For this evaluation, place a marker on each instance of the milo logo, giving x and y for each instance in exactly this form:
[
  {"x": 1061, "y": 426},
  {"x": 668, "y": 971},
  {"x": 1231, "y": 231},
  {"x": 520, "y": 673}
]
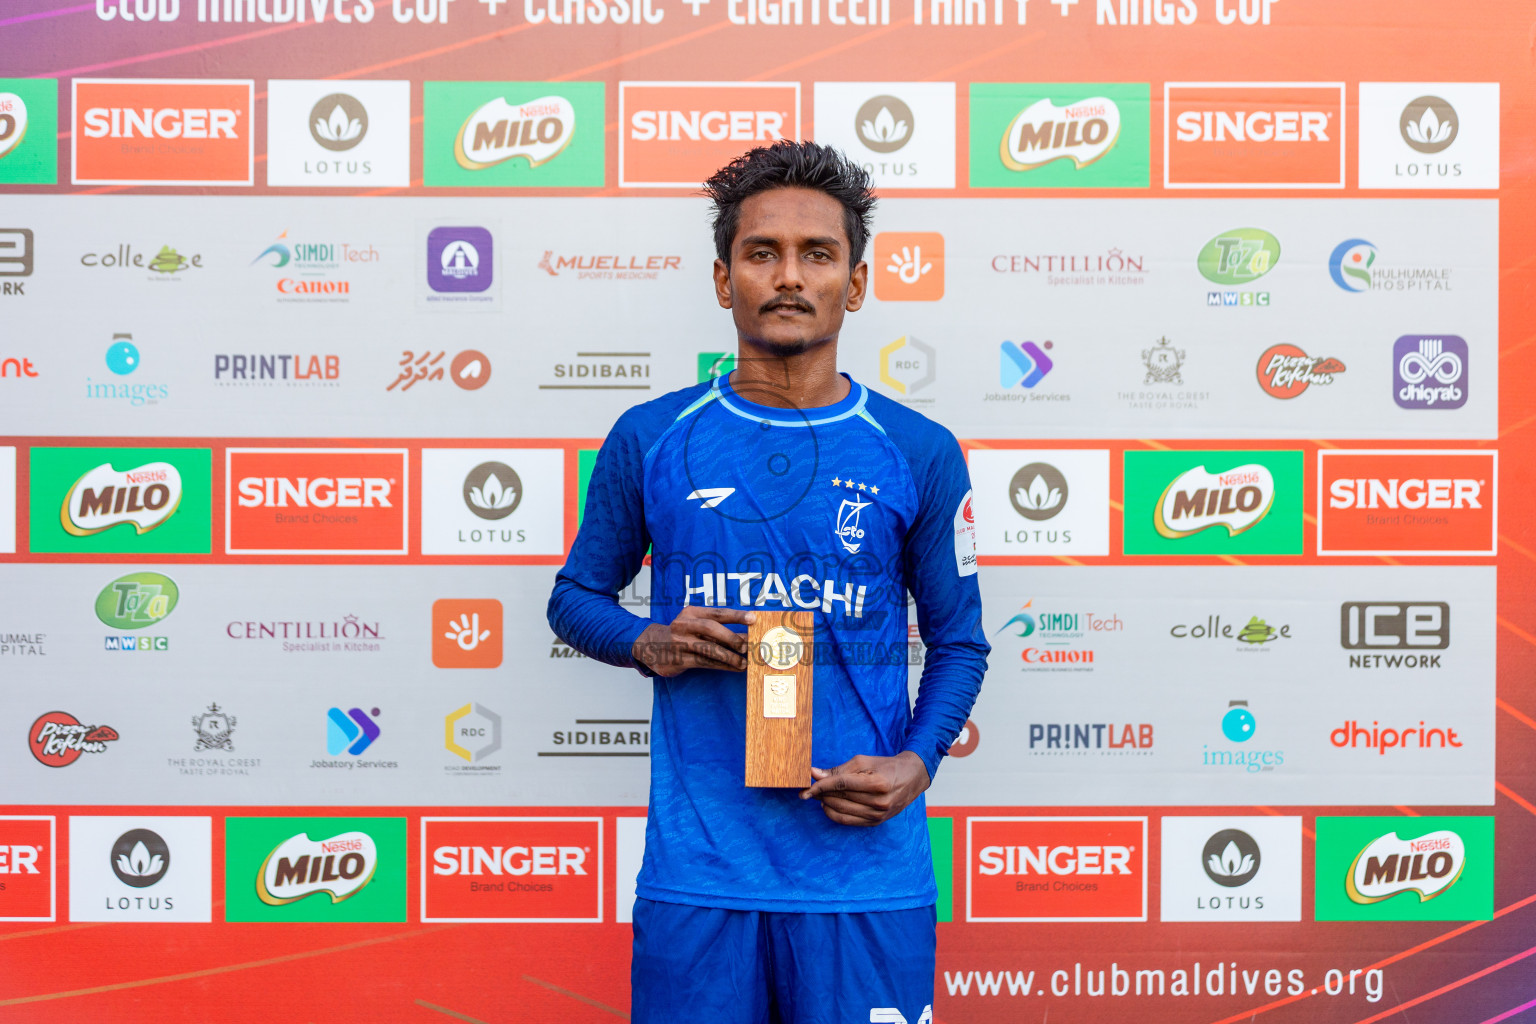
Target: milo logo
[{"x": 498, "y": 131}]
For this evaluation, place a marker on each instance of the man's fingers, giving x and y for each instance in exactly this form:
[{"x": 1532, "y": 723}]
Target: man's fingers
[
  {"x": 694, "y": 611},
  {"x": 841, "y": 781},
  {"x": 708, "y": 629},
  {"x": 707, "y": 654},
  {"x": 843, "y": 818}
]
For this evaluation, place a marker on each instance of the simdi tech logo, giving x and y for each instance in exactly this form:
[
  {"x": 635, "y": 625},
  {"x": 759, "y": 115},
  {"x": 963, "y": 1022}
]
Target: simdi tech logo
[
  {"x": 29, "y": 128},
  {"x": 1056, "y": 869},
  {"x": 28, "y": 866},
  {"x": 163, "y": 131},
  {"x": 510, "y": 134},
  {"x": 1407, "y": 502},
  {"x": 512, "y": 869},
  {"x": 1213, "y": 502},
  {"x": 316, "y": 501},
  {"x": 1429, "y": 135},
  {"x": 1429, "y": 868},
  {"x": 1253, "y": 135},
  {"x": 121, "y": 500},
  {"x": 315, "y": 869},
  {"x": 329, "y": 134},
  {"x": 676, "y": 134},
  {"x": 1061, "y": 135}
]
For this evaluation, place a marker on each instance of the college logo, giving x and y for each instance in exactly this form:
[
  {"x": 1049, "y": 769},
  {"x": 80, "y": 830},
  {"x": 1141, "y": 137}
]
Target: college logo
[
  {"x": 316, "y": 501},
  {"x": 134, "y": 868},
  {"x": 163, "y": 131},
  {"x": 137, "y": 600},
  {"x": 1394, "y": 502},
  {"x": 1214, "y": 502},
  {"x": 909, "y": 266},
  {"x": 1253, "y": 636},
  {"x": 57, "y": 739},
  {"x": 1231, "y": 868},
  {"x": 466, "y": 633},
  {"x": 1056, "y": 869},
  {"x": 908, "y": 366},
  {"x": 160, "y": 500},
  {"x": 27, "y": 866},
  {"x": 350, "y": 732},
  {"x": 492, "y": 501},
  {"x": 1285, "y": 371},
  {"x": 29, "y": 114},
  {"x": 319, "y": 137},
  {"x": 1253, "y": 135},
  {"x": 676, "y": 134},
  {"x": 1388, "y": 869},
  {"x": 460, "y": 260},
  {"x": 506, "y": 134},
  {"x": 1042, "y": 502},
  {"x": 472, "y": 732},
  {"x": 144, "y": 497},
  {"x": 1093, "y": 135},
  {"x": 314, "y": 869},
  {"x": 512, "y": 869},
  {"x": 1429, "y": 135},
  {"x": 1430, "y": 371}
]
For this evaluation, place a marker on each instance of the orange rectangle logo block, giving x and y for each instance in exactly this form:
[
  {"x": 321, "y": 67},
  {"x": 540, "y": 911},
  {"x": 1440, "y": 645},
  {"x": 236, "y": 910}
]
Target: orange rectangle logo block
[
  {"x": 27, "y": 865},
  {"x": 512, "y": 869},
  {"x": 676, "y": 134},
  {"x": 1253, "y": 135},
  {"x": 1434, "y": 502},
  {"x": 316, "y": 501},
  {"x": 1056, "y": 869},
  {"x": 162, "y": 131}
]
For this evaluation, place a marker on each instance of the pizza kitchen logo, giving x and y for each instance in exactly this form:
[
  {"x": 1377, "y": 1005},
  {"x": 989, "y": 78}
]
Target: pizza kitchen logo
[
  {"x": 1285, "y": 371},
  {"x": 58, "y": 739}
]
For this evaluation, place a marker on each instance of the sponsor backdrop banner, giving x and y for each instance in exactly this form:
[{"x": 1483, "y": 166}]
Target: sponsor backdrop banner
[{"x": 314, "y": 314}]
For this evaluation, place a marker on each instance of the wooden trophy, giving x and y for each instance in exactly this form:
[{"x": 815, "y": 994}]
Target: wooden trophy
[{"x": 779, "y": 699}]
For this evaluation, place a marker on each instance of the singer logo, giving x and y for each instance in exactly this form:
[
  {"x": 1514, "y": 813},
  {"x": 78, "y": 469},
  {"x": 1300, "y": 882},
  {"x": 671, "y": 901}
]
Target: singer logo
[
  {"x": 1437, "y": 502},
  {"x": 1056, "y": 869},
  {"x": 162, "y": 131},
  {"x": 512, "y": 869},
  {"x": 676, "y": 134},
  {"x": 1253, "y": 135},
  {"x": 316, "y": 501}
]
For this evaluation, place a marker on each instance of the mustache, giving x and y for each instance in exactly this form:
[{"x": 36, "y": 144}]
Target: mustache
[{"x": 792, "y": 301}]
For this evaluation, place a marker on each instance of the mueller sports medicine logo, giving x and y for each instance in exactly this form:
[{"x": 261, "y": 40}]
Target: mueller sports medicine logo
[
  {"x": 1056, "y": 869},
  {"x": 1237, "y": 499},
  {"x": 1434, "y": 502},
  {"x": 498, "y": 131},
  {"x": 144, "y": 497},
  {"x": 1253, "y": 135},
  {"x": 338, "y": 867},
  {"x": 1430, "y": 371},
  {"x": 160, "y": 131},
  {"x": 299, "y": 501},
  {"x": 512, "y": 869},
  {"x": 676, "y": 134},
  {"x": 1081, "y": 132}
]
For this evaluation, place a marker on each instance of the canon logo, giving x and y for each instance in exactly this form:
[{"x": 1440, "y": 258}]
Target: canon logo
[
  {"x": 317, "y": 492},
  {"x": 1253, "y": 126},
  {"x": 713, "y": 125},
  {"x": 509, "y": 860},
  {"x": 165, "y": 123},
  {"x": 1055, "y": 860},
  {"x": 1365, "y": 492}
]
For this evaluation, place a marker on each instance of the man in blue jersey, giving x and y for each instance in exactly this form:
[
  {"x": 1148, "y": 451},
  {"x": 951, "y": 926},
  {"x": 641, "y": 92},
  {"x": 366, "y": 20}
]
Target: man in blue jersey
[{"x": 784, "y": 485}]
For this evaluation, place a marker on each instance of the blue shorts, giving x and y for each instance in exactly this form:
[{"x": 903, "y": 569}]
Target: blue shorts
[{"x": 719, "y": 966}]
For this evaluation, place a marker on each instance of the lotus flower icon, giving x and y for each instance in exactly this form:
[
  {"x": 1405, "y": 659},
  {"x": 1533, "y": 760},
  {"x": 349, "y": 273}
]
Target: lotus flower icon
[
  {"x": 338, "y": 122},
  {"x": 1429, "y": 130},
  {"x": 1038, "y": 496},
  {"x": 884, "y": 123},
  {"x": 1429, "y": 124},
  {"x": 491, "y": 495},
  {"x": 139, "y": 861},
  {"x": 886, "y": 128},
  {"x": 338, "y": 127},
  {"x": 1230, "y": 863}
]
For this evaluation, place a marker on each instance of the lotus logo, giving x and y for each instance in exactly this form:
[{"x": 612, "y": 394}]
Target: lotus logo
[
  {"x": 1082, "y": 132},
  {"x": 13, "y": 121},
  {"x": 492, "y": 490},
  {"x": 1230, "y": 858},
  {"x": 300, "y": 866},
  {"x": 1350, "y": 264},
  {"x": 537, "y": 131},
  {"x": 1038, "y": 491},
  {"x": 144, "y": 496},
  {"x": 140, "y": 858},
  {"x": 1429, "y": 124},
  {"x": 1197, "y": 499},
  {"x": 338, "y": 122},
  {"x": 1427, "y": 865},
  {"x": 1239, "y": 256},
  {"x": 884, "y": 124}
]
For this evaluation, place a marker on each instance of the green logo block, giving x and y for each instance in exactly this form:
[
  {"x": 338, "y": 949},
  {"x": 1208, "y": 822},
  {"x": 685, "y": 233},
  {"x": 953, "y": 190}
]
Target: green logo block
[
  {"x": 1239, "y": 256},
  {"x": 314, "y": 869},
  {"x": 137, "y": 600},
  {"x": 1061, "y": 135},
  {"x": 715, "y": 364},
  {"x": 1404, "y": 869},
  {"x": 121, "y": 500},
  {"x": 1213, "y": 503},
  {"x": 29, "y": 131},
  {"x": 514, "y": 134}
]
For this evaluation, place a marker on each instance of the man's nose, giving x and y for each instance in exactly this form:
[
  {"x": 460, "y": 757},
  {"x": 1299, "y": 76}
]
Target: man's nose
[{"x": 788, "y": 276}]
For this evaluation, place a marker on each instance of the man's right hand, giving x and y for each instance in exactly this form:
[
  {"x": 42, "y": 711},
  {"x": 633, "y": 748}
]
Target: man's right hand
[{"x": 697, "y": 638}]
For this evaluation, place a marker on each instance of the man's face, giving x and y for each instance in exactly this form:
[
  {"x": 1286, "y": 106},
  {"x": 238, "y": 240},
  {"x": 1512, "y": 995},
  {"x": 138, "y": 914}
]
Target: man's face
[{"x": 789, "y": 280}]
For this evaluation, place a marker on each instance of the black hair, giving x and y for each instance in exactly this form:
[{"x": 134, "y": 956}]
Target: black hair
[{"x": 787, "y": 164}]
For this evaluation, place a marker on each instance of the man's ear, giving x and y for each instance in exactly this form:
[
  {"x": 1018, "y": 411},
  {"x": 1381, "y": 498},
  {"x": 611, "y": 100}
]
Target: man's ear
[
  {"x": 723, "y": 284},
  {"x": 858, "y": 281}
]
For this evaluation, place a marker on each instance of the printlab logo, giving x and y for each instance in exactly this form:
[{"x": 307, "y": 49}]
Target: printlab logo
[
  {"x": 470, "y": 369},
  {"x": 1430, "y": 371},
  {"x": 350, "y": 732},
  {"x": 1285, "y": 371},
  {"x": 338, "y": 122},
  {"x": 1231, "y": 858},
  {"x": 466, "y": 633},
  {"x": 473, "y": 733},
  {"x": 459, "y": 259},
  {"x": 140, "y": 858},
  {"x": 909, "y": 266},
  {"x": 1038, "y": 491},
  {"x": 215, "y": 730},
  {"x": 57, "y": 739},
  {"x": 1429, "y": 124},
  {"x": 908, "y": 366},
  {"x": 1023, "y": 366},
  {"x": 492, "y": 490}
]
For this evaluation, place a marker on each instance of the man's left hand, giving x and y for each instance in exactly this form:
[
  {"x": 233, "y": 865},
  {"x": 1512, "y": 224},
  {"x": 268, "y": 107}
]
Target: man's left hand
[{"x": 867, "y": 790}]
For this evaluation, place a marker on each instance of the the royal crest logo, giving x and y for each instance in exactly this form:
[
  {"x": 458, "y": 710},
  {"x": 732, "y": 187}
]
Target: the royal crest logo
[
  {"x": 215, "y": 730},
  {"x": 145, "y": 496},
  {"x": 1081, "y": 132},
  {"x": 58, "y": 739},
  {"x": 849, "y": 532},
  {"x": 1198, "y": 500},
  {"x": 340, "y": 867},
  {"x": 1427, "y": 865},
  {"x": 538, "y": 131},
  {"x": 1164, "y": 363}
]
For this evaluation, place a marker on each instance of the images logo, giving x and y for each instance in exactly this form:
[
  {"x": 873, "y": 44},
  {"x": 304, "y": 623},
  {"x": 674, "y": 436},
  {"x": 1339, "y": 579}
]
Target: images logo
[
  {"x": 351, "y": 732},
  {"x": 57, "y": 739},
  {"x": 676, "y": 134},
  {"x": 1213, "y": 502},
  {"x": 81, "y": 501},
  {"x": 1090, "y": 135},
  {"x": 27, "y": 866},
  {"x": 1285, "y": 371},
  {"x": 509, "y": 134},
  {"x": 313, "y": 501},
  {"x": 909, "y": 266},
  {"x": 275, "y": 871},
  {"x": 1350, "y": 264},
  {"x": 1024, "y": 365},
  {"x": 145, "y": 496},
  {"x": 1387, "y": 869},
  {"x": 338, "y": 867},
  {"x": 460, "y": 260},
  {"x": 512, "y": 869},
  {"x": 29, "y": 116},
  {"x": 1253, "y": 135},
  {"x": 1430, "y": 371},
  {"x": 137, "y": 600},
  {"x": 1396, "y": 502},
  {"x": 1238, "y": 726},
  {"x": 466, "y": 633},
  {"x": 1056, "y": 869},
  {"x": 473, "y": 732},
  {"x": 162, "y": 131},
  {"x": 338, "y": 122},
  {"x": 1038, "y": 491}
]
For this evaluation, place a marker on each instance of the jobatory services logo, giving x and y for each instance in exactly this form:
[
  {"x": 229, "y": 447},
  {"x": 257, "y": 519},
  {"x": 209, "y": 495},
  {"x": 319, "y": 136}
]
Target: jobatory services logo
[
  {"x": 1285, "y": 371},
  {"x": 315, "y": 869},
  {"x": 350, "y": 732},
  {"x": 1236, "y": 258},
  {"x": 909, "y": 266},
  {"x": 1378, "y": 739},
  {"x": 1213, "y": 502},
  {"x": 29, "y": 127},
  {"x": 16, "y": 261},
  {"x": 310, "y": 270},
  {"x": 511, "y": 134},
  {"x": 163, "y": 131},
  {"x": 1430, "y": 371},
  {"x": 28, "y": 867},
  {"x": 1407, "y": 502},
  {"x": 466, "y": 633},
  {"x": 1024, "y": 365},
  {"x": 512, "y": 869},
  {"x": 908, "y": 367},
  {"x": 676, "y": 134},
  {"x": 902, "y": 133},
  {"x": 323, "y": 133},
  {"x": 1253, "y": 135},
  {"x": 1035, "y": 502},
  {"x": 1056, "y": 869},
  {"x": 1394, "y": 634},
  {"x": 58, "y": 738},
  {"x": 140, "y": 868},
  {"x": 1231, "y": 868},
  {"x": 1428, "y": 868},
  {"x": 316, "y": 501},
  {"x": 1061, "y": 135},
  {"x": 1429, "y": 135},
  {"x": 121, "y": 500},
  {"x": 492, "y": 501}
]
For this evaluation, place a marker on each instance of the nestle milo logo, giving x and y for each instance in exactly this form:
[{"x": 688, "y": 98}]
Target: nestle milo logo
[
  {"x": 137, "y": 600},
  {"x": 1239, "y": 256}
]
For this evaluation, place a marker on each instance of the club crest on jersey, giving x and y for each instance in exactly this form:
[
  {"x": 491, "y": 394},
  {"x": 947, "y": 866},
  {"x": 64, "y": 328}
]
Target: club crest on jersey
[{"x": 849, "y": 532}]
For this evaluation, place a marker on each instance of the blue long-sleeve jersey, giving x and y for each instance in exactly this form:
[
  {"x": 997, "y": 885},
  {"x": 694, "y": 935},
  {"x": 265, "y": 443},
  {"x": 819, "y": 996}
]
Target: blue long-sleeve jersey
[{"x": 840, "y": 511}]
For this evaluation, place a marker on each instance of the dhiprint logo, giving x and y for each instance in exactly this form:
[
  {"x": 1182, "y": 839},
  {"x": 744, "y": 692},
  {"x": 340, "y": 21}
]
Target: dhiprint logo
[
  {"x": 1075, "y": 135},
  {"x": 1285, "y": 371},
  {"x": 1429, "y": 124},
  {"x": 338, "y": 867},
  {"x": 338, "y": 122},
  {"x": 27, "y": 866},
  {"x": 902, "y": 133},
  {"x": 1056, "y": 869},
  {"x": 514, "y": 134},
  {"x": 466, "y": 633},
  {"x": 512, "y": 869},
  {"x": 163, "y": 131},
  {"x": 314, "y": 501},
  {"x": 1431, "y": 868},
  {"x": 1350, "y": 264},
  {"x": 492, "y": 490},
  {"x": 676, "y": 134},
  {"x": 536, "y": 131},
  {"x": 1429, "y": 135},
  {"x": 1038, "y": 491},
  {"x": 319, "y": 137},
  {"x": 57, "y": 739},
  {"x": 909, "y": 266},
  {"x": 1231, "y": 858},
  {"x": 1239, "y": 868},
  {"x": 1407, "y": 502},
  {"x": 1024, "y": 365},
  {"x": 1430, "y": 371},
  {"x": 459, "y": 260},
  {"x": 1253, "y": 135},
  {"x": 140, "y": 858},
  {"x": 350, "y": 732},
  {"x": 137, "y": 600},
  {"x": 140, "y": 868}
]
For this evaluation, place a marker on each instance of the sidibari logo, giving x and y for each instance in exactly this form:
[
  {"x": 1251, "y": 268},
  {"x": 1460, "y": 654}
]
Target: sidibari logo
[
  {"x": 1239, "y": 256},
  {"x": 1427, "y": 866},
  {"x": 58, "y": 738},
  {"x": 145, "y": 496},
  {"x": 1285, "y": 371},
  {"x": 137, "y": 600},
  {"x": 300, "y": 866},
  {"x": 1196, "y": 500},
  {"x": 498, "y": 131},
  {"x": 1081, "y": 132}
]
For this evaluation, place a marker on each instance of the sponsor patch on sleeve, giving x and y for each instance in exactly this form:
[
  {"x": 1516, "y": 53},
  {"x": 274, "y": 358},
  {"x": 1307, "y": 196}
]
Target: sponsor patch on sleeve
[{"x": 965, "y": 538}]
